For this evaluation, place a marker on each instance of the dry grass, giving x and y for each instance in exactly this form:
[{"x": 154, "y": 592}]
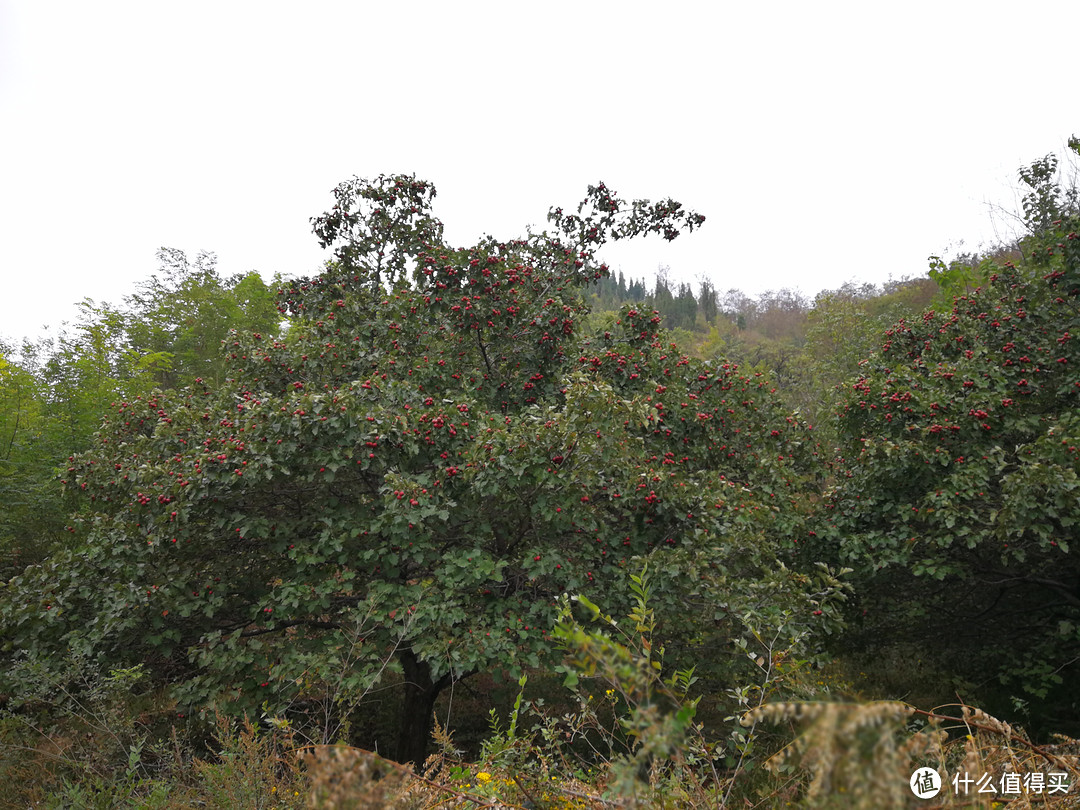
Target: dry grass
[{"x": 862, "y": 755}]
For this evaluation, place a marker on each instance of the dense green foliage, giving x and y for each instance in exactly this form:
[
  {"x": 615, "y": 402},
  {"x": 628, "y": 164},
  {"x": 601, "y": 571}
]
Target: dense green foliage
[
  {"x": 420, "y": 467},
  {"x": 52, "y": 395},
  {"x": 54, "y": 391},
  {"x": 176, "y": 321},
  {"x": 960, "y": 476},
  {"x": 429, "y": 463}
]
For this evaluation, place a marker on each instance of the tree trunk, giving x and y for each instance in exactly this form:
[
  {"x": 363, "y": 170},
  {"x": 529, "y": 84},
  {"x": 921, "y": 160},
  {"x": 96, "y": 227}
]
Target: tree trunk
[{"x": 417, "y": 707}]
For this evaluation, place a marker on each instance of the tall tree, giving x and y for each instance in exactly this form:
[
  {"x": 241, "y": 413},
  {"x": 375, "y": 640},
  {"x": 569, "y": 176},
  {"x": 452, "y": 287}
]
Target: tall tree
[
  {"x": 707, "y": 303},
  {"x": 178, "y": 319},
  {"x": 429, "y": 459}
]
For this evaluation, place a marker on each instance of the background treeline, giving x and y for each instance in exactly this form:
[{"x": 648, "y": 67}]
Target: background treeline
[{"x": 802, "y": 343}]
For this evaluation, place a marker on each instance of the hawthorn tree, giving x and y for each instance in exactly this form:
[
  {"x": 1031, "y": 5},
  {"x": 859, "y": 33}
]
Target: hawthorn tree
[
  {"x": 417, "y": 470},
  {"x": 957, "y": 489}
]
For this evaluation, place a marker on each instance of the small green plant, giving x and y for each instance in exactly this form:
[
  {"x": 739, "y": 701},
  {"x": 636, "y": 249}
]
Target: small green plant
[
  {"x": 650, "y": 748},
  {"x": 504, "y": 748}
]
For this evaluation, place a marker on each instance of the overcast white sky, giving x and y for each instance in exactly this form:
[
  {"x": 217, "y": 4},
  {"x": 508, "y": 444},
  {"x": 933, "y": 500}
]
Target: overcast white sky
[{"x": 825, "y": 141}]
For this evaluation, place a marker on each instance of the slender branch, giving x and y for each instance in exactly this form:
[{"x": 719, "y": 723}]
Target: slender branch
[{"x": 1068, "y": 593}]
